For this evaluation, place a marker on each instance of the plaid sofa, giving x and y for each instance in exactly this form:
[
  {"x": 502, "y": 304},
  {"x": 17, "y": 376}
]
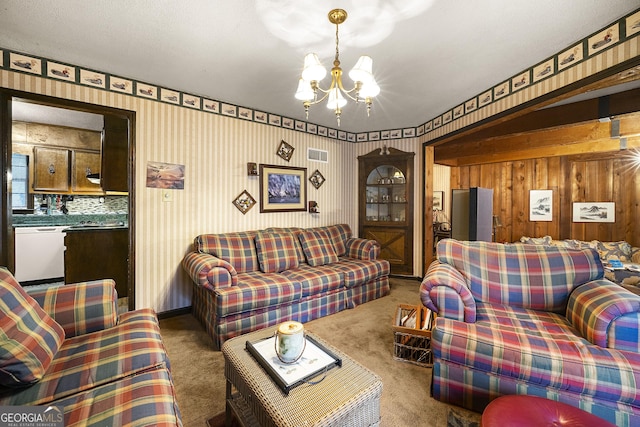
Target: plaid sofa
[
  {"x": 66, "y": 347},
  {"x": 536, "y": 320},
  {"x": 254, "y": 279}
]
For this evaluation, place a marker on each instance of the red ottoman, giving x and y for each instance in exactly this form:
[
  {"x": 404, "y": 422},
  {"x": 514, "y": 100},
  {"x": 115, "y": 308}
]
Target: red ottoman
[{"x": 528, "y": 411}]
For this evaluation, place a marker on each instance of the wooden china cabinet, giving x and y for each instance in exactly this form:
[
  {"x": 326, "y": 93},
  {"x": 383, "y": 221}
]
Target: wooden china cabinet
[{"x": 385, "y": 184}]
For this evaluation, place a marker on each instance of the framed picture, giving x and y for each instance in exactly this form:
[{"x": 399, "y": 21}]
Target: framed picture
[
  {"x": 317, "y": 179},
  {"x": 285, "y": 150},
  {"x": 283, "y": 188},
  {"x": 594, "y": 212},
  {"x": 540, "y": 205},
  {"x": 244, "y": 202},
  {"x": 438, "y": 200},
  {"x": 165, "y": 175}
]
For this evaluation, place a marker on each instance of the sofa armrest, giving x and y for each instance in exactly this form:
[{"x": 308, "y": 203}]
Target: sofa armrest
[
  {"x": 606, "y": 314},
  {"x": 445, "y": 291},
  {"x": 81, "y": 308},
  {"x": 359, "y": 248},
  {"x": 209, "y": 271}
]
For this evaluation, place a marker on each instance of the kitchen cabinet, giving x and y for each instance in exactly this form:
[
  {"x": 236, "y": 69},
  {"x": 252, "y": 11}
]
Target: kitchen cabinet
[
  {"x": 51, "y": 169},
  {"x": 94, "y": 253},
  {"x": 115, "y": 154},
  {"x": 386, "y": 205},
  {"x": 85, "y": 163}
]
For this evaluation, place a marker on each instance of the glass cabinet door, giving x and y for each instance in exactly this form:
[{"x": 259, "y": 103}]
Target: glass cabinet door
[{"x": 386, "y": 195}]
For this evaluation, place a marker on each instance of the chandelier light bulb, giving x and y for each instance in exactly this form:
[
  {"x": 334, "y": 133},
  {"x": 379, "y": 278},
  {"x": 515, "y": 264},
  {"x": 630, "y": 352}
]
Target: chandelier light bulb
[
  {"x": 304, "y": 92},
  {"x": 369, "y": 89},
  {"x": 313, "y": 69},
  {"x": 336, "y": 100},
  {"x": 363, "y": 70}
]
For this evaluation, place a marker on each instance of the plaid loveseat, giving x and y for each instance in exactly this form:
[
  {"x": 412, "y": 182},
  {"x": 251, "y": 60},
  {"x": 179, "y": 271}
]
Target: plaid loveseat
[
  {"x": 67, "y": 348},
  {"x": 254, "y": 279},
  {"x": 536, "y": 320}
]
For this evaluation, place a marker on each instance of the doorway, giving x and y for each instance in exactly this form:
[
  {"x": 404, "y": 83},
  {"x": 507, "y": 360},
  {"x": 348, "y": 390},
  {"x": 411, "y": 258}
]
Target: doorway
[{"x": 115, "y": 125}]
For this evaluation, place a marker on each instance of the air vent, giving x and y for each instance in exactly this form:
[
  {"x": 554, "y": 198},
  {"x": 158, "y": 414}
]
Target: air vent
[{"x": 315, "y": 155}]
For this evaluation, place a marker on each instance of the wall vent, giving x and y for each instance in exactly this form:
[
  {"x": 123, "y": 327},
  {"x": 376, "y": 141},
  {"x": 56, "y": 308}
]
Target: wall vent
[{"x": 315, "y": 155}]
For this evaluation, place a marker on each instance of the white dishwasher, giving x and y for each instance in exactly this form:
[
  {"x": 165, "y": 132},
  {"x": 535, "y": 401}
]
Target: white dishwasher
[{"x": 39, "y": 253}]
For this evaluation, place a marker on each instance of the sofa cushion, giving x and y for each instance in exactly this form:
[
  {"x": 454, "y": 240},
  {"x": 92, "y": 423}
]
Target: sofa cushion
[
  {"x": 317, "y": 247},
  {"x": 29, "y": 337},
  {"x": 238, "y": 249},
  {"x": 276, "y": 252},
  {"x": 254, "y": 291},
  {"x": 315, "y": 280},
  {"x": 144, "y": 399},
  {"x": 295, "y": 232},
  {"x": 131, "y": 347},
  {"x": 339, "y": 235},
  {"x": 538, "y": 348},
  {"x": 530, "y": 276},
  {"x": 359, "y": 272}
]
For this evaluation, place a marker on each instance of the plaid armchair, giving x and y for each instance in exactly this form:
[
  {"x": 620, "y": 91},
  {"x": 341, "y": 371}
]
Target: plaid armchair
[
  {"x": 66, "y": 346},
  {"x": 538, "y": 320}
]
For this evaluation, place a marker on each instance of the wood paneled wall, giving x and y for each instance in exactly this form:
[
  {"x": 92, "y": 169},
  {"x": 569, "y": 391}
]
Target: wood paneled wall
[{"x": 609, "y": 178}]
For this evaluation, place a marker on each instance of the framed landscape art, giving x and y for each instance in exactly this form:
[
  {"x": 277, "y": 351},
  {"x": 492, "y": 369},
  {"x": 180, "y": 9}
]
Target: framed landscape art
[
  {"x": 594, "y": 212},
  {"x": 283, "y": 188}
]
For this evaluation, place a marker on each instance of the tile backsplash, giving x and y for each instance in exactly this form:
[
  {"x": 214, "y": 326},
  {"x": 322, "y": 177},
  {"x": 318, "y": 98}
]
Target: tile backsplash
[{"x": 84, "y": 205}]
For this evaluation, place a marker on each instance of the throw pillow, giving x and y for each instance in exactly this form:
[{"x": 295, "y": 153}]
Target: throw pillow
[
  {"x": 317, "y": 247},
  {"x": 546, "y": 240},
  {"x": 614, "y": 250},
  {"x": 29, "y": 337},
  {"x": 276, "y": 252}
]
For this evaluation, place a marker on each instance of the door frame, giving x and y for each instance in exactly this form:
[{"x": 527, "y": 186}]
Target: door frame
[{"x": 7, "y": 256}]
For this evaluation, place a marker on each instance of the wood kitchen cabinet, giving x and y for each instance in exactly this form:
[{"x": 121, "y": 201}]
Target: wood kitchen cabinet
[
  {"x": 115, "y": 154},
  {"x": 97, "y": 253},
  {"x": 386, "y": 205},
  {"x": 85, "y": 163},
  {"x": 51, "y": 169}
]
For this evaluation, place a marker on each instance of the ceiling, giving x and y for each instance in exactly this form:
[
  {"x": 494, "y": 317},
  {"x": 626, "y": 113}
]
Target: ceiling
[{"x": 429, "y": 56}]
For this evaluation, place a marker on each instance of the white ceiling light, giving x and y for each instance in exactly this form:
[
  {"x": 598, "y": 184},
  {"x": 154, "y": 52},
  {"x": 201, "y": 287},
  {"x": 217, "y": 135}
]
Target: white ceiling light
[{"x": 365, "y": 87}]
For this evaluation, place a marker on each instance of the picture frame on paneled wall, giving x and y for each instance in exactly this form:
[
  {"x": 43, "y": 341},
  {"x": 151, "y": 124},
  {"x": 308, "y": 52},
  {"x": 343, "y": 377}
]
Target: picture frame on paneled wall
[
  {"x": 283, "y": 188},
  {"x": 594, "y": 212},
  {"x": 540, "y": 205}
]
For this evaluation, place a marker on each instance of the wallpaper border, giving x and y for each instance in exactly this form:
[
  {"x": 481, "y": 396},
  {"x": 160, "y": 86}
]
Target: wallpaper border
[{"x": 461, "y": 115}]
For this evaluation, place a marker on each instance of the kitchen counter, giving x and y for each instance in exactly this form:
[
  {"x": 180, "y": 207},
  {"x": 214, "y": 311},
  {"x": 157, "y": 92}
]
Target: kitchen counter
[
  {"x": 33, "y": 220},
  {"x": 95, "y": 227}
]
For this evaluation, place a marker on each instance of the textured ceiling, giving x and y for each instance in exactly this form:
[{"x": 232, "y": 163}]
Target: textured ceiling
[{"x": 429, "y": 55}]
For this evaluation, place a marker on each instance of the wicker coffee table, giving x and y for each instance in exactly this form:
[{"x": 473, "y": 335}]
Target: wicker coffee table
[{"x": 348, "y": 396}]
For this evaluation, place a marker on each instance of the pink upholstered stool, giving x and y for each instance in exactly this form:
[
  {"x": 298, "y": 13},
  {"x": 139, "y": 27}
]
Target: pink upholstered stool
[{"x": 529, "y": 411}]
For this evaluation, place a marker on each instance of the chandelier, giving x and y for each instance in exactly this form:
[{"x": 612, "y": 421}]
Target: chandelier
[{"x": 365, "y": 87}]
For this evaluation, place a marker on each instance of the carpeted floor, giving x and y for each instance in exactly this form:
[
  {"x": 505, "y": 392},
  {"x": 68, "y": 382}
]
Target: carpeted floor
[{"x": 363, "y": 333}]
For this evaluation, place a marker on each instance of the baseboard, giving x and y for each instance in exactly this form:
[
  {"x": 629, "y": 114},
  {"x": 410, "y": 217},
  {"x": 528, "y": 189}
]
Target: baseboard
[
  {"x": 400, "y": 276},
  {"x": 174, "y": 313}
]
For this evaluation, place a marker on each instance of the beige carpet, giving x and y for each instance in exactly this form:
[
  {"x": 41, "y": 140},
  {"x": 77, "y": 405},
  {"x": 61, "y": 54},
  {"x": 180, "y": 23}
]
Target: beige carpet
[{"x": 363, "y": 333}]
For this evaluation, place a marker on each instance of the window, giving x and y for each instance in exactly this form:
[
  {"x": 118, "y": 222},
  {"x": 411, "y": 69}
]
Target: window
[{"x": 20, "y": 198}]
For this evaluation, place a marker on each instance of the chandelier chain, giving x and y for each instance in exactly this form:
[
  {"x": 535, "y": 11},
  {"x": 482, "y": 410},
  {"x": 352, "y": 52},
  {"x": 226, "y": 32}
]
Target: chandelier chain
[{"x": 337, "y": 44}]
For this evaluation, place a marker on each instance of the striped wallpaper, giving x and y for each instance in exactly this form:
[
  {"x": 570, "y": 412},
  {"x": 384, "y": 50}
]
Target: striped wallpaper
[{"x": 215, "y": 150}]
